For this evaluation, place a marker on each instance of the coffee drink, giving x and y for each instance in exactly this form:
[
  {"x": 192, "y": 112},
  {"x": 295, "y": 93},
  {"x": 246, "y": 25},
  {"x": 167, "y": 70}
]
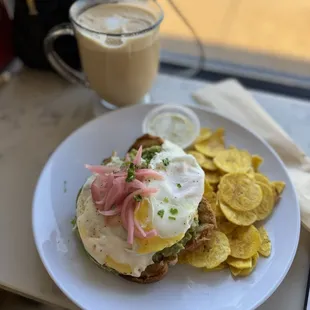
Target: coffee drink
[{"x": 119, "y": 49}]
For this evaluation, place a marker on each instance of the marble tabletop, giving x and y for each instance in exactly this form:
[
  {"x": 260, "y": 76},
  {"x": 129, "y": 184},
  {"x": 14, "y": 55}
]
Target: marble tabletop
[{"x": 37, "y": 111}]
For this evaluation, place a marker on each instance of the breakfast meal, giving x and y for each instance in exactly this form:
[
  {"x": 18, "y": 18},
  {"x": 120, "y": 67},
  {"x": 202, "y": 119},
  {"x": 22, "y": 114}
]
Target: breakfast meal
[{"x": 161, "y": 205}]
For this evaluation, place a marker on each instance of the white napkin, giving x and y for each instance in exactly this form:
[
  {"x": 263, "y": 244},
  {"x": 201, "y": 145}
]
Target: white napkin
[{"x": 230, "y": 98}]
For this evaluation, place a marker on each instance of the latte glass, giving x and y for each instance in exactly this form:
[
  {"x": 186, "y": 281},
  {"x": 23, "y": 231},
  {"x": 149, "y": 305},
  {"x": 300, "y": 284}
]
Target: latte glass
[{"x": 120, "y": 56}]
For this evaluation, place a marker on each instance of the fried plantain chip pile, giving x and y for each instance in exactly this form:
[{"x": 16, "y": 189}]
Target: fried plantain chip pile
[{"x": 240, "y": 196}]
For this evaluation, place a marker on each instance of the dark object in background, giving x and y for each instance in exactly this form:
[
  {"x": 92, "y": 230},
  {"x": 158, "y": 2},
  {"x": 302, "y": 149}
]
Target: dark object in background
[
  {"x": 6, "y": 49},
  {"x": 30, "y": 26}
]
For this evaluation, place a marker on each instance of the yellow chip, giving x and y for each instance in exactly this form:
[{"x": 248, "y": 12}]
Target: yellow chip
[
  {"x": 266, "y": 206},
  {"x": 212, "y": 177},
  {"x": 208, "y": 164},
  {"x": 198, "y": 156},
  {"x": 212, "y": 254},
  {"x": 240, "y": 218},
  {"x": 244, "y": 242},
  {"x": 234, "y": 271},
  {"x": 251, "y": 173},
  {"x": 213, "y": 145},
  {"x": 240, "y": 192},
  {"x": 256, "y": 162},
  {"x": 265, "y": 247},
  {"x": 261, "y": 178},
  {"x": 219, "y": 267},
  {"x": 239, "y": 262},
  {"x": 247, "y": 271},
  {"x": 278, "y": 186},
  {"x": 210, "y": 195},
  {"x": 205, "y": 133},
  {"x": 208, "y": 188},
  {"x": 233, "y": 160},
  {"x": 218, "y": 212},
  {"x": 225, "y": 226}
]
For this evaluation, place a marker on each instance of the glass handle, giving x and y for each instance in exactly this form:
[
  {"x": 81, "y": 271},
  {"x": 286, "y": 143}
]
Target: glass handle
[{"x": 70, "y": 74}]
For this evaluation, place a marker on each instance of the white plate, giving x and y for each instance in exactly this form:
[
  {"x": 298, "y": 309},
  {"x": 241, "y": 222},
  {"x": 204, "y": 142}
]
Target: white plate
[{"x": 183, "y": 288}]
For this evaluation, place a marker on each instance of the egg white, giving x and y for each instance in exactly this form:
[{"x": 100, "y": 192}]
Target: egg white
[
  {"x": 108, "y": 244},
  {"x": 180, "y": 191}
]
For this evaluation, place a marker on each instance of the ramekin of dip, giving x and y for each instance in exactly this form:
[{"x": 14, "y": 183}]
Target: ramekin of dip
[{"x": 177, "y": 124}]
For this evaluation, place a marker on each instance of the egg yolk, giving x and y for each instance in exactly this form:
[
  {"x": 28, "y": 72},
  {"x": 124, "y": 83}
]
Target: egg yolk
[
  {"x": 153, "y": 244},
  {"x": 121, "y": 268}
]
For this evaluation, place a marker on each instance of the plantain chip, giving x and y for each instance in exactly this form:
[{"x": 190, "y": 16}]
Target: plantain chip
[
  {"x": 240, "y": 218},
  {"x": 198, "y": 156},
  {"x": 234, "y": 271},
  {"x": 233, "y": 160},
  {"x": 209, "y": 255},
  {"x": 221, "y": 266},
  {"x": 265, "y": 247},
  {"x": 278, "y": 187},
  {"x": 225, "y": 226},
  {"x": 266, "y": 206},
  {"x": 248, "y": 271},
  {"x": 256, "y": 162},
  {"x": 211, "y": 197},
  {"x": 244, "y": 242},
  {"x": 209, "y": 165},
  {"x": 205, "y": 133},
  {"x": 213, "y": 145},
  {"x": 261, "y": 178},
  {"x": 208, "y": 187},
  {"x": 240, "y": 192},
  {"x": 239, "y": 262},
  {"x": 212, "y": 177}
]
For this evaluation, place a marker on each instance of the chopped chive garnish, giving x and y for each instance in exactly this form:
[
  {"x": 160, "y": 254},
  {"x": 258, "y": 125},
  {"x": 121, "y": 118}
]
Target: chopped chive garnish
[
  {"x": 174, "y": 211},
  {"x": 131, "y": 175},
  {"x": 171, "y": 218},
  {"x": 161, "y": 213},
  {"x": 137, "y": 198},
  {"x": 179, "y": 185},
  {"x": 166, "y": 199},
  {"x": 166, "y": 162},
  {"x": 125, "y": 164}
]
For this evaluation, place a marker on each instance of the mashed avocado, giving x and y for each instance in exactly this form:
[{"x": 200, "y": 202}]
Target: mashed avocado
[{"x": 177, "y": 247}]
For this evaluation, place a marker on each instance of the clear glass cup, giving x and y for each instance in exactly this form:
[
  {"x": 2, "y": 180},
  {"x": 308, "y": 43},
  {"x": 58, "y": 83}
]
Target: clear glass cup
[{"x": 120, "y": 58}]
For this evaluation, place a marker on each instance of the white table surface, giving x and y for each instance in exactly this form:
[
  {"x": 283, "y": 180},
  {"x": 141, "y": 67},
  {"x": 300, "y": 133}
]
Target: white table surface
[{"x": 37, "y": 111}]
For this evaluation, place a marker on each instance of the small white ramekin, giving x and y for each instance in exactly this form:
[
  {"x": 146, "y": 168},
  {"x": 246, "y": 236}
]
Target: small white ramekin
[{"x": 173, "y": 108}]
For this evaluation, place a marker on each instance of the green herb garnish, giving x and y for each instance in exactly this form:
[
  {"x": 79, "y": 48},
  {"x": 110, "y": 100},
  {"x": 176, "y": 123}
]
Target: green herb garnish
[
  {"x": 125, "y": 164},
  {"x": 166, "y": 162},
  {"x": 179, "y": 185},
  {"x": 73, "y": 222},
  {"x": 161, "y": 213},
  {"x": 171, "y": 218},
  {"x": 137, "y": 198},
  {"x": 149, "y": 153},
  {"x": 174, "y": 211},
  {"x": 166, "y": 199},
  {"x": 131, "y": 175}
]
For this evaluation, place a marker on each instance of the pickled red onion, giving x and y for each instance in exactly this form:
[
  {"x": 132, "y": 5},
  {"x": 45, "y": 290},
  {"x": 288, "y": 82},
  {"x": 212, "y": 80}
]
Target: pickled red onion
[
  {"x": 137, "y": 160},
  {"x": 101, "y": 169},
  {"x": 110, "y": 188}
]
